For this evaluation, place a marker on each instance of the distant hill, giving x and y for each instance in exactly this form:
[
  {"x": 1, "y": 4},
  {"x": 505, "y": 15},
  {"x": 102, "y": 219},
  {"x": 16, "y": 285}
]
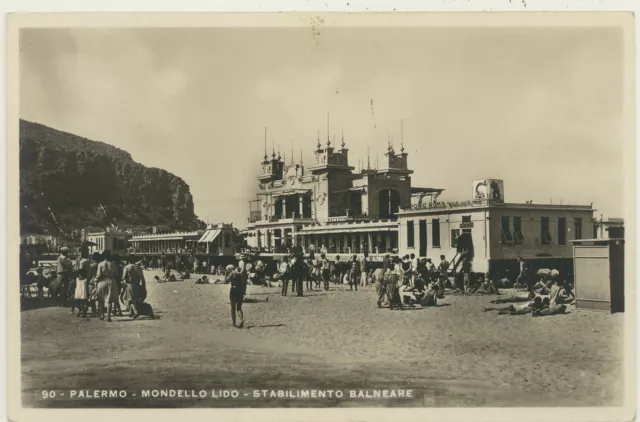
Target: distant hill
[{"x": 75, "y": 177}]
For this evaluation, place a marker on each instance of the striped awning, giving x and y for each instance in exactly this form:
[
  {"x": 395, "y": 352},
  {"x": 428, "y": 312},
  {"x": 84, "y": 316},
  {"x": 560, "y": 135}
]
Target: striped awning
[{"x": 209, "y": 236}]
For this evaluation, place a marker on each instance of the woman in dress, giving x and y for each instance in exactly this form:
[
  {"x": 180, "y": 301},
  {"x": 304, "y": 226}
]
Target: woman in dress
[
  {"x": 81, "y": 295},
  {"x": 107, "y": 291}
]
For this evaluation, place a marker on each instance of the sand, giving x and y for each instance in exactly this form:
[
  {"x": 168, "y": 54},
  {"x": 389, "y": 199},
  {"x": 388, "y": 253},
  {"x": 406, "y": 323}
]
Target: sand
[{"x": 452, "y": 355}]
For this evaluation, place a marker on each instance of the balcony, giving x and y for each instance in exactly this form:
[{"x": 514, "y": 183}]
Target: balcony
[{"x": 360, "y": 218}]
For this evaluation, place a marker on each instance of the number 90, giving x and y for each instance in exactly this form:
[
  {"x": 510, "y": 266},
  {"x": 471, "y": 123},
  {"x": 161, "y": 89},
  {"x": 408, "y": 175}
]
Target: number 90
[{"x": 48, "y": 394}]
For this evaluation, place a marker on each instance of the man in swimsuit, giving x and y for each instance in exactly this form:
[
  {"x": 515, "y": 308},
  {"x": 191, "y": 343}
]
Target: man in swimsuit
[{"x": 236, "y": 294}]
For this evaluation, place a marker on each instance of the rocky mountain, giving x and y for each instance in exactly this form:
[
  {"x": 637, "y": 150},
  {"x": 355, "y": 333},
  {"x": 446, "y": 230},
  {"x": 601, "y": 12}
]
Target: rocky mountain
[{"x": 68, "y": 182}]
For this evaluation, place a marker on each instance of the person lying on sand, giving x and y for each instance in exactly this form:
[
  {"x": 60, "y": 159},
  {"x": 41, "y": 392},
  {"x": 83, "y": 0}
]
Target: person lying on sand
[
  {"x": 202, "y": 280},
  {"x": 519, "y": 309},
  {"x": 252, "y": 300},
  {"x": 514, "y": 299}
]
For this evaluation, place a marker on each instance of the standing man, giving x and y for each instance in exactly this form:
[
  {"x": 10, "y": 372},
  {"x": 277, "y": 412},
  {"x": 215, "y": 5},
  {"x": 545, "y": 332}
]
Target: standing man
[
  {"x": 300, "y": 270},
  {"x": 236, "y": 294},
  {"x": 338, "y": 271},
  {"x": 414, "y": 270},
  {"x": 354, "y": 273},
  {"x": 466, "y": 273},
  {"x": 134, "y": 283},
  {"x": 387, "y": 265},
  {"x": 443, "y": 269},
  {"x": 363, "y": 271},
  {"x": 65, "y": 271},
  {"x": 522, "y": 278},
  {"x": 284, "y": 270},
  {"x": 326, "y": 273}
]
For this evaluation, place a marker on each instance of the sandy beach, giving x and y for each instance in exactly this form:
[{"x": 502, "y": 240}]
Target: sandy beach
[{"x": 451, "y": 355}]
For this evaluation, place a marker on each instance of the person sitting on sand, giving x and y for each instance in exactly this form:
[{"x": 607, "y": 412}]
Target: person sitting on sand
[
  {"x": 558, "y": 295},
  {"x": 552, "y": 309},
  {"x": 431, "y": 296},
  {"x": 486, "y": 287},
  {"x": 419, "y": 284},
  {"x": 543, "y": 288}
]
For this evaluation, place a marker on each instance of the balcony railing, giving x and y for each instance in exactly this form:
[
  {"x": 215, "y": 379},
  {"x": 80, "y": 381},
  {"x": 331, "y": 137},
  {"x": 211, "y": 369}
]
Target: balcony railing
[{"x": 359, "y": 217}]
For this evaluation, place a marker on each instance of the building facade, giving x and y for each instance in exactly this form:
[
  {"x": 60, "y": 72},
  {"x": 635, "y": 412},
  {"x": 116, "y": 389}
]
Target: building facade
[
  {"x": 112, "y": 240},
  {"x": 330, "y": 206},
  {"x": 165, "y": 243},
  {"x": 494, "y": 233}
]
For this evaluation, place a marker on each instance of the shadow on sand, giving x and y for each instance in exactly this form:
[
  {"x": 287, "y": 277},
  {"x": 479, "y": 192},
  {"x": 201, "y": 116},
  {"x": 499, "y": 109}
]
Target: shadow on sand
[
  {"x": 30, "y": 304},
  {"x": 266, "y": 326}
]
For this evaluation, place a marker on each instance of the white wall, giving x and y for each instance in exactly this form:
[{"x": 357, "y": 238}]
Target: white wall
[
  {"x": 532, "y": 246},
  {"x": 449, "y": 220}
]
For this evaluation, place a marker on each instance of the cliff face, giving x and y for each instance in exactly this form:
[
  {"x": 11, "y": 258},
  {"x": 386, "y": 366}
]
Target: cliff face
[{"x": 73, "y": 178}]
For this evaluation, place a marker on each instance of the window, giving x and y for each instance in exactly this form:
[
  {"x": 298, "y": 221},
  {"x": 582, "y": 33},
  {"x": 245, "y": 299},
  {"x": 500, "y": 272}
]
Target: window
[
  {"x": 466, "y": 219},
  {"x": 506, "y": 230},
  {"x": 410, "y": 235},
  {"x": 518, "y": 236},
  {"x": 577, "y": 228},
  {"x": 562, "y": 231},
  {"x": 435, "y": 232},
  {"x": 545, "y": 234},
  {"x": 455, "y": 234}
]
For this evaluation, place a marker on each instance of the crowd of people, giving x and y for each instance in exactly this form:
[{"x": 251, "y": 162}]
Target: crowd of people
[
  {"x": 104, "y": 283},
  {"x": 101, "y": 283}
]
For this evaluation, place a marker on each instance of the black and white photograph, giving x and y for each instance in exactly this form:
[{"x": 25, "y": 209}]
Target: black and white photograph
[{"x": 323, "y": 211}]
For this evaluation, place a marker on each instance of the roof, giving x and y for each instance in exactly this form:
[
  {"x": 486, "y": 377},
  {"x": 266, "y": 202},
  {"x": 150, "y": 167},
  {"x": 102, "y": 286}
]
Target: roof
[
  {"x": 168, "y": 236},
  {"x": 210, "y": 236},
  {"x": 444, "y": 206}
]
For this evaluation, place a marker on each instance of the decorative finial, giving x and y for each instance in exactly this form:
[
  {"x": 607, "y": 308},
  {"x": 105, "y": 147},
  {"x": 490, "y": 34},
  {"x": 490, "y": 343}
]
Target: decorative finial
[
  {"x": 402, "y": 147},
  {"x": 342, "y": 139},
  {"x": 279, "y": 156},
  {"x": 265, "y": 143},
  {"x": 328, "y": 142},
  {"x": 319, "y": 139},
  {"x": 368, "y": 159},
  {"x": 273, "y": 150}
]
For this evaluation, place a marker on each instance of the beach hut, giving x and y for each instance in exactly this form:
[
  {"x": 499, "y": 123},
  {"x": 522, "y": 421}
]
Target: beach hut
[{"x": 599, "y": 274}]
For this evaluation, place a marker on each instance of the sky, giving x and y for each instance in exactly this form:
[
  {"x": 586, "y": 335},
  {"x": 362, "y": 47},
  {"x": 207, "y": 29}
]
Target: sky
[{"x": 540, "y": 108}]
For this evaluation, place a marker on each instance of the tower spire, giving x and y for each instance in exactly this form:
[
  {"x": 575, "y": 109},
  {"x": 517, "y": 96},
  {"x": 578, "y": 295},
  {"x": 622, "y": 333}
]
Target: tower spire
[
  {"x": 265, "y": 143},
  {"x": 401, "y": 136},
  {"x": 328, "y": 141}
]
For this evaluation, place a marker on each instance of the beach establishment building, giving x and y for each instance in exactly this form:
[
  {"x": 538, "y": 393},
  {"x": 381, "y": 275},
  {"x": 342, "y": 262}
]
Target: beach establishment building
[
  {"x": 160, "y": 243},
  {"x": 494, "y": 233},
  {"x": 108, "y": 239},
  {"x": 329, "y": 206},
  {"x": 217, "y": 239}
]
